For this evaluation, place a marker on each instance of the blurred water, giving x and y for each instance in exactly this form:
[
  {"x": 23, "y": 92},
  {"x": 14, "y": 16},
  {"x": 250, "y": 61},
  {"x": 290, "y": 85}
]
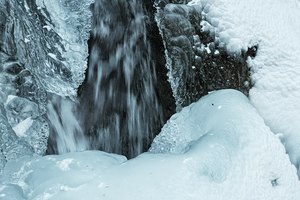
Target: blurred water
[
  {"x": 117, "y": 108},
  {"x": 65, "y": 126}
]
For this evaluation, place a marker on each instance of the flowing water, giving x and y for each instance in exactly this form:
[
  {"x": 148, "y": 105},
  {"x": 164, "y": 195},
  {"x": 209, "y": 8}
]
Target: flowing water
[{"x": 117, "y": 108}]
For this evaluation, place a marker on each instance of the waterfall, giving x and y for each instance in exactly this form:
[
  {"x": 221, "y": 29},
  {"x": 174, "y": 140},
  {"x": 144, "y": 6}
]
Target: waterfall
[{"x": 117, "y": 109}]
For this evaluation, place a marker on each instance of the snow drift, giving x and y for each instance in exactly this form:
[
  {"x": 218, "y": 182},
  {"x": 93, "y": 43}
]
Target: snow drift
[{"x": 216, "y": 148}]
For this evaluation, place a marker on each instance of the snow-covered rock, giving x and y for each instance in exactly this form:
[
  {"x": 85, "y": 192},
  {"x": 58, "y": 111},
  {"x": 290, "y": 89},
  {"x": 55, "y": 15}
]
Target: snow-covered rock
[
  {"x": 196, "y": 62},
  {"x": 222, "y": 150},
  {"x": 274, "y": 27}
]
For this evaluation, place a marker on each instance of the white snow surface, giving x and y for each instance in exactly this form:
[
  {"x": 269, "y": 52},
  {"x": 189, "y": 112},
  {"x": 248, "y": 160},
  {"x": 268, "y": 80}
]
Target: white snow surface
[
  {"x": 225, "y": 152},
  {"x": 274, "y": 26}
]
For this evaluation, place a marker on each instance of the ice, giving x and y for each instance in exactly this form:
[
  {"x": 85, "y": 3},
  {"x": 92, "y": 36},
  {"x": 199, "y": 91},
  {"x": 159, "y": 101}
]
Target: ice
[
  {"x": 71, "y": 21},
  {"x": 43, "y": 50},
  {"x": 25, "y": 119},
  {"x": 50, "y": 40},
  {"x": 227, "y": 152},
  {"x": 62, "y": 172},
  {"x": 273, "y": 26},
  {"x": 11, "y": 192},
  {"x": 21, "y": 128},
  {"x": 19, "y": 109},
  {"x": 11, "y": 146}
]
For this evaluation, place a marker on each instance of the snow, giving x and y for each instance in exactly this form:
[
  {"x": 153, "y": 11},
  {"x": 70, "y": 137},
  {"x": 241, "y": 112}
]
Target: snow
[
  {"x": 225, "y": 153},
  {"x": 9, "y": 98},
  {"x": 221, "y": 147},
  {"x": 275, "y": 27},
  {"x": 21, "y": 128}
]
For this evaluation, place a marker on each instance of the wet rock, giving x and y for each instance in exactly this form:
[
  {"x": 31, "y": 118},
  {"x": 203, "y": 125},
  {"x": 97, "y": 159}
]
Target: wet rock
[{"x": 196, "y": 63}]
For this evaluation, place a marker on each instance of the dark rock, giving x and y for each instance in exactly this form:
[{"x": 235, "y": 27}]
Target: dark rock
[{"x": 205, "y": 66}]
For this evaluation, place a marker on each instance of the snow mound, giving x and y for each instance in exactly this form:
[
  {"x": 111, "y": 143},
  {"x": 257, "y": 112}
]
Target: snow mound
[
  {"x": 274, "y": 27},
  {"x": 225, "y": 152}
]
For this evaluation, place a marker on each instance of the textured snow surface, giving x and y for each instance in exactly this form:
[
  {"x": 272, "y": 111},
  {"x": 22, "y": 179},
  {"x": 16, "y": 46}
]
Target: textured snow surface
[
  {"x": 226, "y": 152},
  {"x": 275, "y": 27}
]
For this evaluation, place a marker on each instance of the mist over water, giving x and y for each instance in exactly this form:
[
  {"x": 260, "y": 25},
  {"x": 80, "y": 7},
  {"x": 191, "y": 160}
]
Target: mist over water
[{"x": 117, "y": 108}]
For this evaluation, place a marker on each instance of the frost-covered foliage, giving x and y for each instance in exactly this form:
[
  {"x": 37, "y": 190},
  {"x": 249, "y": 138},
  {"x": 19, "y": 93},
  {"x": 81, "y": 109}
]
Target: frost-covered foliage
[
  {"x": 226, "y": 152},
  {"x": 273, "y": 26}
]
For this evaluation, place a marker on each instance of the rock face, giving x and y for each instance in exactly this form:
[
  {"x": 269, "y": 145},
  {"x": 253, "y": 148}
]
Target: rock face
[
  {"x": 196, "y": 63},
  {"x": 18, "y": 54}
]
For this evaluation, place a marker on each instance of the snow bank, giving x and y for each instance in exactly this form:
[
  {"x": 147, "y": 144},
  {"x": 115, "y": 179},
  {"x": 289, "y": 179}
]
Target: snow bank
[
  {"x": 275, "y": 27},
  {"x": 217, "y": 148}
]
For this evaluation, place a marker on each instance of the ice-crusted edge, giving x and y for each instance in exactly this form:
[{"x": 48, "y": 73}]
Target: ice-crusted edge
[{"x": 171, "y": 79}]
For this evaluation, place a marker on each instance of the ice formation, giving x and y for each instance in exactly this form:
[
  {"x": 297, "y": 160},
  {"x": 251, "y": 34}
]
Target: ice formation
[
  {"x": 43, "y": 49},
  {"x": 50, "y": 40},
  {"x": 56, "y": 42},
  {"x": 70, "y": 21},
  {"x": 226, "y": 152}
]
